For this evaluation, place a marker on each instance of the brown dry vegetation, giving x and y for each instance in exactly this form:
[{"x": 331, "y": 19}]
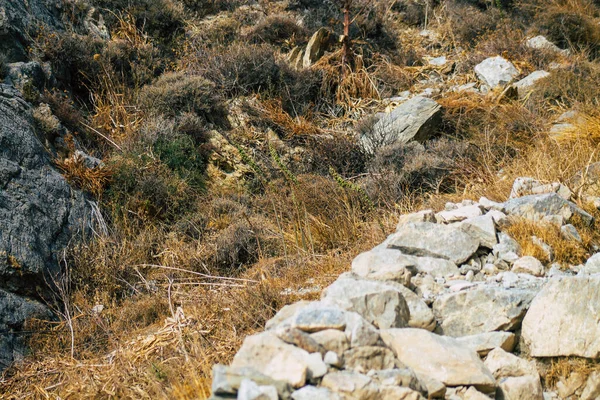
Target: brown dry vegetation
[{"x": 186, "y": 264}]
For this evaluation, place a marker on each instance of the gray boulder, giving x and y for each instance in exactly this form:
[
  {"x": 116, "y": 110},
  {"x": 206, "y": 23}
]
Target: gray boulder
[
  {"x": 416, "y": 119},
  {"x": 483, "y": 309},
  {"x": 434, "y": 240},
  {"x": 39, "y": 214},
  {"x": 527, "y": 84},
  {"x": 379, "y": 303},
  {"x": 542, "y": 206},
  {"x": 563, "y": 319},
  {"x": 496, "y": 71},
  {"x": 439, "y": 357}
]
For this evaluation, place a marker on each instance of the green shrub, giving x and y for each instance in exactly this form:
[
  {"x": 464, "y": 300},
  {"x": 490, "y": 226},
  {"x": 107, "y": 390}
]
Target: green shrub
[
  {"x": 146, "y": 187},
  {"x": 176, "y": 93}
]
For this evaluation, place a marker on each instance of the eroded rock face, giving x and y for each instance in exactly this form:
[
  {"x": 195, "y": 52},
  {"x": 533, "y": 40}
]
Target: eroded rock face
[
  {"x": 17, "y": 17},
  {"x": 39, "y": 214}
]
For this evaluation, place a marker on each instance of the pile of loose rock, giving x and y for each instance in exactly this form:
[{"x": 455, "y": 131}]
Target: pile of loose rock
[{"x": 436, "y": 311}]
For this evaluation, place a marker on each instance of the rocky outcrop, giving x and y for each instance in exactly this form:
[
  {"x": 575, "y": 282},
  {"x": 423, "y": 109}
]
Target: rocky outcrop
[
  {"x": 18, "y": 17},
  {"x": 417, "y": 119},
  {"x": 39, "y": 214},
  {"x": 436, "y": 311}
]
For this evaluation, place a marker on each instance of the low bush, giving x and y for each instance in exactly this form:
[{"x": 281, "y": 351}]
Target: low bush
[
  {"x": 279, "y": 31},
  {"x": 177, "y": 93},
  {"x": 571, "y": 29},
  {"x": 467, "y": 24}
]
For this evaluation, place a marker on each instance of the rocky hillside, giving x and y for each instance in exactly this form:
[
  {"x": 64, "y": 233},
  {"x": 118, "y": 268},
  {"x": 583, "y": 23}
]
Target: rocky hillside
[
  {"x": 185, "y": 185},
  {"x": 446, "y": 307}
]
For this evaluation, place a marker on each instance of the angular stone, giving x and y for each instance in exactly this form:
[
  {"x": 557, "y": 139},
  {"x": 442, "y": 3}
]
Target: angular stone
[
  {"x": 416, "y": 119},
  {"x": 440, "y": 357},
  {"x": 315, "y": 393},
  {"x": 251, "y": 391},
  {"x": 570, "y": 385},
  {"x": 317, "y": 45},
  {"x": 433, "y": 240},
  {"x": 505, "y": 365},
  {"x": 351, "y": 384},
  {"x": 483, "y": 343},
  {"x": 366, "y": 358},
  {"x": 536, "y": 207},
  {"x": 521, "y": 388},
  {"x": 474, "y": 394},
  {"x": 227, "y": 380},
  {"x": 528, "y": 265},
  {"x": 483, "y": 228},
  {"x": 569, "y": 232},
  {"x": 332, "y": 340},
  {"x": 379, "y": 303},
  {"x": 586, "y": 181},
  {"x": 541, "y": 43},
  {"x": 496, "y": 71},
  {"x": 527, "y": 84},
  {"x": 301, "y": 339},
  {"x": 459, "y": 214},
  {"x": 421, "y": 315},
  {"x": 271, "y": 356},
  {"x": 563, "y": 319},
  {"x": 480, "y": 310},
  {"x": 384, "y": 265},
  {"x": 359, "y": 331}
]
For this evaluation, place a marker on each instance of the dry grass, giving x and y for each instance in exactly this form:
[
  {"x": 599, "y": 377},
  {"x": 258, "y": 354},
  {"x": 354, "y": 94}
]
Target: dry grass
[
  {"x": 563, "y": 367},
  {"x": 91, "y": 180}
]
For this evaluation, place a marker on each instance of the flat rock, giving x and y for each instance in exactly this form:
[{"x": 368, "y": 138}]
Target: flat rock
[
  {"x": 563, "y": 319},
  {"x": 434, "y": 240},
  {"x": 285, "y": 313},
  {"x": 483, "y": 343},
  {"x": 318, "y": 317},
  {"x": 496, "y": 71},
  {"x": 537, "y": 207},
  {"x": 416, "y": 119},
  {"x": 440, "y": 357},
  {"x": 419, "y": 216},
  {"x": 541, "y": 43},
  {"x": 379, "y": 303},
  {"x": 480, "y": 310}
]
